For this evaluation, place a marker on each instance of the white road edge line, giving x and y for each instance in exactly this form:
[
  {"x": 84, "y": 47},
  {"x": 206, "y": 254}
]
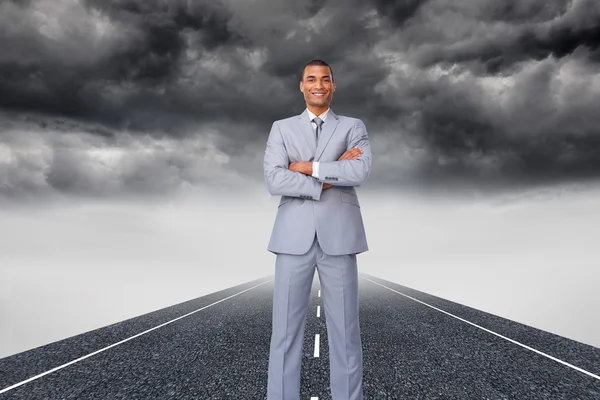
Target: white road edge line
[
  {"x": 492, "y": 332},
  {"x": 122, "y": 341},
  {"x": 316, "y": 345}
]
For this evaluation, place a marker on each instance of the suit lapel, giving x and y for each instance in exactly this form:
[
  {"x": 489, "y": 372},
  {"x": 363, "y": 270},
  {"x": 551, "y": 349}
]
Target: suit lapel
[
  {"x": 307, "y": 131},
  {"x": 327, "y": 129}
]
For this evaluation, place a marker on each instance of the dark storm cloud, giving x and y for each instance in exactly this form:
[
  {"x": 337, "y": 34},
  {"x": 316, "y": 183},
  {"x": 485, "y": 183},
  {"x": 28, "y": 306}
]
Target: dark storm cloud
[
  {"x": 41, "y": 156},
  {"x": 161, "y": 24},
  {"x": 398, "y": 12},
  {"x": 540, "y": 128},
  {"x": 515, "y": 11},
  {"x": 70, "y": 77},
  {"x": 150, "y": 58},
  {"x": 496, "y": 35},
  {"x": 474, "y": 91}
]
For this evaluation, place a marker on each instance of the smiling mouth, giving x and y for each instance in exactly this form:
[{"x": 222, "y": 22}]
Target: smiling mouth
[{"x": 318, "y": 94}]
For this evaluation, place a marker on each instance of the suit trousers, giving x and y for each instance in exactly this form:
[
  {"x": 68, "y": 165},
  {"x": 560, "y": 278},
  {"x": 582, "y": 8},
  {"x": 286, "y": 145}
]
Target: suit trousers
[{"x": 338, "y": 276}]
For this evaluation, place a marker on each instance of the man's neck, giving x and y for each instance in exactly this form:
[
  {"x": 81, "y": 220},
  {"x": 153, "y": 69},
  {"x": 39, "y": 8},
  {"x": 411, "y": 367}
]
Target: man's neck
[{"x": 317, "y": 110}]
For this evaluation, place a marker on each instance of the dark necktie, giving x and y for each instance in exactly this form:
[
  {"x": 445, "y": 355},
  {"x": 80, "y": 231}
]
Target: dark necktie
[{"x": 319, "y": 122}]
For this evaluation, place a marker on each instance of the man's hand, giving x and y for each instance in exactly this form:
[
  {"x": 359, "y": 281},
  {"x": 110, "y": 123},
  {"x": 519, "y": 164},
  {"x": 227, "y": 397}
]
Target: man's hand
[
  {"x": 304, "y": 167},
  {"x": 349, "y": 154}
]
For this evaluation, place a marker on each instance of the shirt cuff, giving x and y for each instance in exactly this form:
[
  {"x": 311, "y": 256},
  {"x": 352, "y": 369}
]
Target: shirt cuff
[{"x": 315, "y": 169}]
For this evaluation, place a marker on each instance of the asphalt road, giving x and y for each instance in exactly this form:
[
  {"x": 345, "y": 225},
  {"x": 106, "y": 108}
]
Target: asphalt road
[{"x": 415, "y": 346}]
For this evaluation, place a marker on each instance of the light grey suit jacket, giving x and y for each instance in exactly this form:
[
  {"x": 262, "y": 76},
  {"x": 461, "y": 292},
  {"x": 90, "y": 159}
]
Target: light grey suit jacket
[{"x": 305, "y": 208}]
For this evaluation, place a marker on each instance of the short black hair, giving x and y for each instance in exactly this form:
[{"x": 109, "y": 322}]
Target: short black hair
[{"x": 317, "y": 62}]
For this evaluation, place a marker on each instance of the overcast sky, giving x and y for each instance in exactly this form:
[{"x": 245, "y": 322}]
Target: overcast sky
[
  {"x": 123, "y": 102},
  {"x": 127, "y": 97}
]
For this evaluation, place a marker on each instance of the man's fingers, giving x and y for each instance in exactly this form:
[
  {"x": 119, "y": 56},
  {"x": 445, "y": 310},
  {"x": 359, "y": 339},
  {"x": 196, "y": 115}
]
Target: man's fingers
[
  {"x": 348, "y": 157},
  {"x": 351, "y": 154},
  {"x": 355, "y": 152}
]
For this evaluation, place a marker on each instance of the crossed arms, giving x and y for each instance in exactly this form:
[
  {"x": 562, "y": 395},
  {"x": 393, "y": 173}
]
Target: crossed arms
[{"x": 295, "y": 179}]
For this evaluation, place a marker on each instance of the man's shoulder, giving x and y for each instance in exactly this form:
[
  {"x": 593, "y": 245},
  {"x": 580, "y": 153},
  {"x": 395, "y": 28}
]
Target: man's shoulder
[
  {"x": 348, "y": 122},
  {"x": 347, "y": 118},
  {"x": 284, "y": 120}
]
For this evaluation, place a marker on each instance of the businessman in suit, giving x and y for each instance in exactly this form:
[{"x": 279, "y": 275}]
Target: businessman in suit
[{"x": 315, "y": 161}]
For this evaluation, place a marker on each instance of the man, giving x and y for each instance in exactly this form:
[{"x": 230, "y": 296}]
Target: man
[{"x": 314, "y": 164}]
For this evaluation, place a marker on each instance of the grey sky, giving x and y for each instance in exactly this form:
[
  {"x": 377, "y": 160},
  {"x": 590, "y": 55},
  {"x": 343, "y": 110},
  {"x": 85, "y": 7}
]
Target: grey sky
[
  {"x": 122, "y": 102},
  {"x": 107, "y": 98}
]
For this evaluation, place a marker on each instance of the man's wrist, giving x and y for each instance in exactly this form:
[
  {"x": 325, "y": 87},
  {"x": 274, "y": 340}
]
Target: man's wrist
[{"x": 308, "y": 168}]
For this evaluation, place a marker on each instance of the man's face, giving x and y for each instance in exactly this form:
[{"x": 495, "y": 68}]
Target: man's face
[{"x": 317, "y": 85}]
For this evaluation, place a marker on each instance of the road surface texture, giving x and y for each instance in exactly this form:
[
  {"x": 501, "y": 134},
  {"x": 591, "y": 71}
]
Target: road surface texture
[{"x": 415, "y": 346}]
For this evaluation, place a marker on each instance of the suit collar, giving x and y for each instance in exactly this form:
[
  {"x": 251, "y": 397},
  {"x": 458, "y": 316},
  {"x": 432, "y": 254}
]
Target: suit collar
[
  {"x": 323, "y": 115},
  {"x": 306, "y": 115}
]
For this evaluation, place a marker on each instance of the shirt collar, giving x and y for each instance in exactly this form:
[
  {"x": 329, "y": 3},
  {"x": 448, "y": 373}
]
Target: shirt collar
[{"x": 312, "y": 116}]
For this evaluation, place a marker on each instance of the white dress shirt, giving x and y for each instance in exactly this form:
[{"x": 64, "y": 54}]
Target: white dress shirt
[{"x": 311, "y": 116}]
